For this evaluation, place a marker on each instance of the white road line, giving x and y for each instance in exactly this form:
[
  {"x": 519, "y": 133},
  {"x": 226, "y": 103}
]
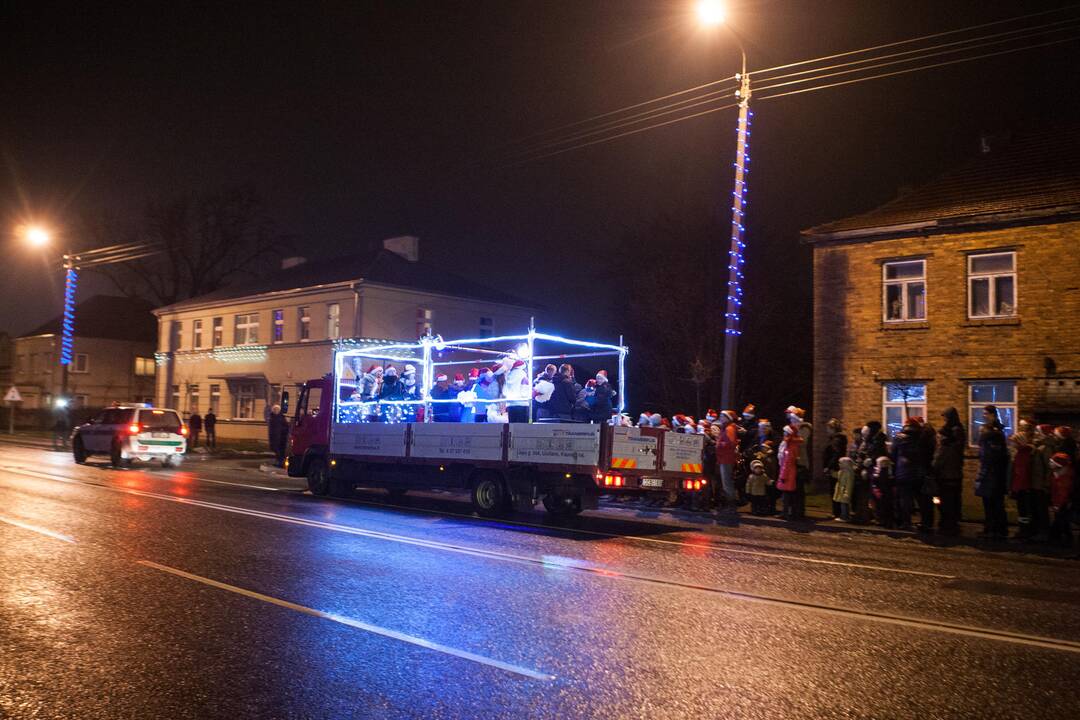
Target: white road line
[
  {"x": 39, "y": 530},
  {"x": 358, "y": 624},
  {"x": 199, "y": 478}
]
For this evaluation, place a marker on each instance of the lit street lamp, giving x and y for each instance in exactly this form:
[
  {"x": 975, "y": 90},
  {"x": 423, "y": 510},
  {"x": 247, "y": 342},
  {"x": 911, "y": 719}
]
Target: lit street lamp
[{"x": 712, "y": 13}]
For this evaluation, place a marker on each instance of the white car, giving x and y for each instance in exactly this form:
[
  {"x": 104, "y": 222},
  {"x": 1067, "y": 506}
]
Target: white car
[{"x": 132, "y": 432}]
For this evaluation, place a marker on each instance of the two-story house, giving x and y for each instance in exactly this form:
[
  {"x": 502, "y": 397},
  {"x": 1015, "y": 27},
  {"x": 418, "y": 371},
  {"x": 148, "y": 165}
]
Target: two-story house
[
  {"x": 963, "y": 292},
  {"x": 113, "y": 359},
  {"x": 235, "y": 350}
]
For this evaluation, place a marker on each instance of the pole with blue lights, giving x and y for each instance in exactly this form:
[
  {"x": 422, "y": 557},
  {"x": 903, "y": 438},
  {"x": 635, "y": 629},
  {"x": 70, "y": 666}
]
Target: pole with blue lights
[
  {"x": 67, "y": 334},
  {"x": 733, "y": 310}
]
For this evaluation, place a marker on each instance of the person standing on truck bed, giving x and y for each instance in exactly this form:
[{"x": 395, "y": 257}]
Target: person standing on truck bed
[
  {"x": 561, "y": 404},
  {"x": 602, "y": 406},
  {"x": 444, "y": 411}
]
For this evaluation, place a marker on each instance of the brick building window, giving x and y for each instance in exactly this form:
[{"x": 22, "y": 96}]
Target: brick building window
[
  {"x": 144, "y": 366},
  {"x": 218, "y": 332},
  {"x": 247, "y": 329},
  {"x": 193, "y": 398},
  {"x": 1001, "y": 394},
  {"x": 279, "y": 325},
  {"x": 196, "y": 334},
  {"x": 900, "y": 401},
  {"x": 333, "y": 321},
  {"x": 304, "y": 321},
  {"x": 904, "y": 296},
  {"x": 81, "y": 364},
  {"x": 992, "y": 285},
  {"x": 245, "y": 401},
  {"x": 215, "y": 399},
  {"x": 174, "y": 397}
]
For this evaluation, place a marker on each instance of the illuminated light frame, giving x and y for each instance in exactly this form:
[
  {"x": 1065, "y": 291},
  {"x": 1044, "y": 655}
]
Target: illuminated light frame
[
  {"x": 733, "y": 311},
  {"x": 67, "y": 335}
]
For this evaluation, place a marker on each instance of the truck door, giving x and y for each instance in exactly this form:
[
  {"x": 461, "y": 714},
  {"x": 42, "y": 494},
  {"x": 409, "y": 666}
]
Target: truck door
[{"x": 309, "y": 423}]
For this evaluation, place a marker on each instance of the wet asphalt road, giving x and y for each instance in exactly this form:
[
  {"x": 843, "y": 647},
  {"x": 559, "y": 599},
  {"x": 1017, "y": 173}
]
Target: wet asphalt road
[{"x": 151, "y": 593}]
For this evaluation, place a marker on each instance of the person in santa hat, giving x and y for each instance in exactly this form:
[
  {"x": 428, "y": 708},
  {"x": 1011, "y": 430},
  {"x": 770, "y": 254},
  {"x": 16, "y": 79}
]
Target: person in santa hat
[
  {"x": 727, "y": 449},
  {"x": 788, "y": 482},
  {"x": 370, "y": 384},
  {"x": 543, "y": 388},
  {"x": 516, "y": 388},
  {"x": 602, "y": 404},
  {"x": 564, "y": 396},
  {"x": 805, "y": 430},
  {"x": 1061, "y": 498},
  {"x": 442, "y": 410},
  {"x": 486, "y": 388}
]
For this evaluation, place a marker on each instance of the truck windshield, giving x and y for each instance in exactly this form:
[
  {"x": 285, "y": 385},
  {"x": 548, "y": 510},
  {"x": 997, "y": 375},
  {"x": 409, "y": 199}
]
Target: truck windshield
[{"x": 160, "y": 421}]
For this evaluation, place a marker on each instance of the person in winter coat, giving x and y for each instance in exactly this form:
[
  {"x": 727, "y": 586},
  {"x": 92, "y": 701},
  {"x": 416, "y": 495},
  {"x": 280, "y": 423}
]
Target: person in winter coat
[
  {"x": 907, "y": 463},
  {"x": 927, "y": 490},
  {"x": 392, "y": 388},
  {"x": 1043, "y": 446},
  {"x": 727, "y": 449},
  {"x": 444, "y": 411},
  {"x": 195, "y": 424},
  {"x": 543, "y": 388},
  {"x": 603, "y": 400},
  {"x": 836, "y": 447},
  {"x": 277, "y": 428},
  {"x": 565, "y": 394},
  {"x": 884, "y": 492},
  {"x": 845, "y": 487},
  {"x": 486, "y": 388},
  {"x": 1066, "y": 441},
  {"x": 1061, "y": 490},
  {"x": 757, "y": 485},
  {"x": 948, "y": 470},
  {"x": 991, "y": 483},
  {"x": 1021, "y": 459},
  {"x": 210, "y": 422},
  {"x": 795, "y": 417},
  {"x": 788, "y": 482}
]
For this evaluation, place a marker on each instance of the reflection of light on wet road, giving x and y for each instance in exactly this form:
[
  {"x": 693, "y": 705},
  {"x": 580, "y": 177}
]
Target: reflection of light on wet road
[{"x": 38, "y": 530}]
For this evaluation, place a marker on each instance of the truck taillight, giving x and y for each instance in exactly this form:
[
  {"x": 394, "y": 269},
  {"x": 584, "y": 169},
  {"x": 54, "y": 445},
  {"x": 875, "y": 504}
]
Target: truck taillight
[
  {"x": 694, "y": 484},
  {"x": 183, "y": 430},
  {"x": 613, "y": 481},
  {"x": 134, "y": 428}
]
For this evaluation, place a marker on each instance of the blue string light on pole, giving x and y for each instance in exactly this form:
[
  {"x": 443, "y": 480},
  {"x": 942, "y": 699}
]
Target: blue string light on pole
[{"x": 67, "y": 336}]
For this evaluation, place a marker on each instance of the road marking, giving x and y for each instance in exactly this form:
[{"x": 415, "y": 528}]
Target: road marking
[
  {"x": 198, "y": 478},
  {"x": 358, "y": 624},
  {"x": 39, "y": 530}
]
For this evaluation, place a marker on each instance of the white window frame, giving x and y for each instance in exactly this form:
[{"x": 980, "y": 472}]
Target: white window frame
[
  {"x": 303, "y": 321},
  {"x": 177, "y": 335},
  {"x": 249, "y": 324},
  {"x": 145, "y": 366},
  {"x": 215, "y": 399},
  {"x": 217, "y": 338},
  {"x": 193, "y": 398},
  {"x": 244, "y": 402},
  {"x": 174, "y": 397},
  {"x": 333, "y": 321},
  {"x": 915, "y": 408},
  {"x": 196, "y": 334},
  {"x": 85, "y": 363},
  {"x": 991, "y": 281},
  {"x": 903, "y": 283},
  {"x": 278, "y": 333},
  {"x": 975, "y": 408}
]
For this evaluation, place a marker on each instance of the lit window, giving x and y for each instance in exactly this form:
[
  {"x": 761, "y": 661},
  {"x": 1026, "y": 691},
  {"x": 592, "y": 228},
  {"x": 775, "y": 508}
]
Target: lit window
[
  {"x": 81, "y": 363},
  {"x": 904, "y": 297},
  {"x": 193, "y": 398},
  {"x": 992, "y": 285},
  {"x": 279, "y": 325},
  {"x": 218, "y": 332},
  {"x": 333, "y": 321},
  {"x": 144, "y": 366},
  {"x": 177, "y": 335},
  {"x": 487, "y": 327},
  {"x": 196, "y": 334},
  {"x": 245, "y": 401},
  {"x": 215, "y": 399},
  {"x": 304, "y": 318},
  {"x": 175, "y": 397},
  {"x": 424, "y": 317},
  {"x": 1001, "y": 394},
  {"x": 247, "y": 329},
  {"x": 900, "y": 401}
]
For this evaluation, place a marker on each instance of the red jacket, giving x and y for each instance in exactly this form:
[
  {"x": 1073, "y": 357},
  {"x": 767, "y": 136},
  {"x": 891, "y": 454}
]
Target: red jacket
[
  {"x": 1021, "y": 468},
  {"x": 789, "y": 464},
  {"x": 1061, "y": 483},
  {"x": 727, "y": 445}
]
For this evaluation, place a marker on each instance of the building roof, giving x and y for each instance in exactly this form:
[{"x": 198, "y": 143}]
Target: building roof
[
  {"x": 1028, "y": 177},
  {"x": 383, "y": 267},
  {"x": 107, "y": 317}
]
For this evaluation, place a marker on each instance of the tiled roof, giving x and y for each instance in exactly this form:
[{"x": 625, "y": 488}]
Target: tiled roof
[
  {"x": 383, "y": 267},
  {"x": 1030, "y": 175},
  {"x": 107, "y": 317}
]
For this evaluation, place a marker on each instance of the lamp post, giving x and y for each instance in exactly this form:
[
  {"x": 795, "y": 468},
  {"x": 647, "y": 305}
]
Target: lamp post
[{"x": 712, "y": 13}]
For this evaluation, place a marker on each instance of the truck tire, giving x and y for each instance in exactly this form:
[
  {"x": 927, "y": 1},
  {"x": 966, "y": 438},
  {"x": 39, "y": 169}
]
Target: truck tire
[
  {"x": 318, "y": 478},
  {"x": 78, "y": 451},
  {"x": 562, "y": 507},
  {"x": 489, "y": 495}
]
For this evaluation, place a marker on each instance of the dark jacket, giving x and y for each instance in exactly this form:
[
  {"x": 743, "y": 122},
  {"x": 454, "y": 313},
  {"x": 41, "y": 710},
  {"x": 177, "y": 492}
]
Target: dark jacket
[
  {"x": 278, "y": 429},
  {"x": 949, "y": 456},
  {"x": 907, "y": 459},
  {"x": 210, "y": 421},
  {"x": 993, "y": 462},
  {"x": 835, "y": 449},
  {"x": 563, "y": 398},
  {"x": 392, "y": 389},
  {"x": 602, "y": 406},
  {"x": 195, "y": 423},
  {"x": 444, "y": 411}
]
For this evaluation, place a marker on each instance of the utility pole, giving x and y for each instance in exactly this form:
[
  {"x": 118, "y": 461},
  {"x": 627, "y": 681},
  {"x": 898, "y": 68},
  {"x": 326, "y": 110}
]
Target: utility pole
[
  {"x": 67, "y": 336},
  {"x": 733, "y": 310}
]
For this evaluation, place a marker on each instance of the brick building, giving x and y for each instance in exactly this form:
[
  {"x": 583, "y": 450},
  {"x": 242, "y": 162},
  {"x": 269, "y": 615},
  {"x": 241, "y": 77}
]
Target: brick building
[{"x": 962, "y": 292}]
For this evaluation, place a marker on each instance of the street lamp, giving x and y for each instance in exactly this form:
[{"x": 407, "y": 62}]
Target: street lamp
[
  {"x": 37, "y": 235},
  {"x": 712, "y": 13}
]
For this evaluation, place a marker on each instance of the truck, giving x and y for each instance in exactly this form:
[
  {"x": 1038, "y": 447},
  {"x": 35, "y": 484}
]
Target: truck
[{"x": 343, "y": 436}]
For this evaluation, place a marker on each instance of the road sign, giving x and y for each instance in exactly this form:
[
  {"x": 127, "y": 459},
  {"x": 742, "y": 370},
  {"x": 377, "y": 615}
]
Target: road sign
[{"x": 13, "y": 395}]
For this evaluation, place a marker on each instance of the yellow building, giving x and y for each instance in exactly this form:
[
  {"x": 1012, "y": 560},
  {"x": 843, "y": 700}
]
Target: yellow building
[{"x": 235, "y": 350}]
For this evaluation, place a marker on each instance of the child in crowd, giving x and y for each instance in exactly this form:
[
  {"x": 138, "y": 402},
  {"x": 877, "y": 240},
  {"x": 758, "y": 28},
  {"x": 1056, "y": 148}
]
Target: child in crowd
[
  {"x": 1061, "y": 485},
  {"x": 845, "y": 487},
  {"x": 757, "y": 487},
  {"x": 882, "y": 488}
]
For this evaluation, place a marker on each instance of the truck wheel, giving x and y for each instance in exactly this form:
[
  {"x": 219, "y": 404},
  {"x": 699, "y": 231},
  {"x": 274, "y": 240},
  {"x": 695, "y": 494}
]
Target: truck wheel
[
  {"x": 78, "y": 451},
  {"x": 318, "y": 479},
  {"x": 560, "y": 506},
  {"x": 489, "y": 497}
]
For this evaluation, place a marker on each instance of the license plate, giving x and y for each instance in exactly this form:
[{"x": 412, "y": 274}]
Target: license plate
[
  {"x": 652, "y": 482},
  {"x": 161, "y": 435}
]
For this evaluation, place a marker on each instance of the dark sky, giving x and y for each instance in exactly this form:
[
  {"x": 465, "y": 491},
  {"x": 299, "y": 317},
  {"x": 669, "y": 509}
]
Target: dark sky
[{"x": 358, "y": 121}]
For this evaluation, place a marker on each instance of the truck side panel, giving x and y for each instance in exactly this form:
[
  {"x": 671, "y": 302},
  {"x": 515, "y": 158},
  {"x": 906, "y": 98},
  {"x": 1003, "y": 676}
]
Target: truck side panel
[
  {"x": 566, "y": 444},
  {"x": 632, "y": 449},
  {"x": 372, "y": 439},
  {"x": 457, "y": 442},
  {"x": 682, "y": 453}
]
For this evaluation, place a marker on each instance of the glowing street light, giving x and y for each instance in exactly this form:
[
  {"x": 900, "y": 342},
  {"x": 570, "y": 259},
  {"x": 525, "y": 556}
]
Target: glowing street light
[
  {"x": 711, "y": 12},
  {"x": 37, "y": 235}
]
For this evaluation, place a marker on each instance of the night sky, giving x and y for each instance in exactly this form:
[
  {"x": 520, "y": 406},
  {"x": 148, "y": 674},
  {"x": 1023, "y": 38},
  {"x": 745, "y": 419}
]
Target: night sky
[{"x": 357, "y": 121}]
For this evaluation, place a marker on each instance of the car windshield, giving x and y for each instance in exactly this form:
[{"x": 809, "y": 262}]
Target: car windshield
[{"x": 159, "y": 420}]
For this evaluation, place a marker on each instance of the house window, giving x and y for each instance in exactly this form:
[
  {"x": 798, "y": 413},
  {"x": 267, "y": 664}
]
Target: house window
[
  {"x": 900, "y": 401},
  {"x": 144, "y": 366},
  {"x": 487, "y": 327},
  {"x": 992, "y": 285},
  {"x": 304, "y": 318},
  {"x": 279, "y": 325},
  {"x": 219, "y": 332},
  {"x": 333, "y": 321},
  {"x": 81, "y": 363},
  {"x": 215, "y": 399},
  {"x": 424, "y": 317},
  {"x": 196, "y": 334},
  {"x": 193, "y": 398},
  {"x": 177, "y": 340},
  {"x": 904, "y": 299},
  {"x": 245, "y": 401},
  {"x": 175, "y": 397},
  {"x": 1000, "y": 394},
  {"x": 246, "y": 329}
]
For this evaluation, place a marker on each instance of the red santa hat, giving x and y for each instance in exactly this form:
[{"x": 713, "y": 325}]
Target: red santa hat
[
  {"x": 729, "y": 414},
  {"x": 1060, "y": 460},
  {"x": 458, "y": 377},
  {"x": 518, "y": 362},
  {"x": 1046, "y": 429},
  {"x": 474, "y": 373},
  {"x": 591, "y": 383},
  {"x": 601, "y": 377},
  {"x": 1063, "y": 431},
  {"x": 441, "y": 377},
  {"x": 373, "y": 369}
]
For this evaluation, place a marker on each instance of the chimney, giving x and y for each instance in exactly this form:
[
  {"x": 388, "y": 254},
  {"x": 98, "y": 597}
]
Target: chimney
[
  {"x": 291, "y": 262},
  {"x": 407, "y": 246}
]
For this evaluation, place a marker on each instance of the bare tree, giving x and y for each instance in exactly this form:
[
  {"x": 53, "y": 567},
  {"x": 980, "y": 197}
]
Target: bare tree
[{"x": 206, "y": 241}]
